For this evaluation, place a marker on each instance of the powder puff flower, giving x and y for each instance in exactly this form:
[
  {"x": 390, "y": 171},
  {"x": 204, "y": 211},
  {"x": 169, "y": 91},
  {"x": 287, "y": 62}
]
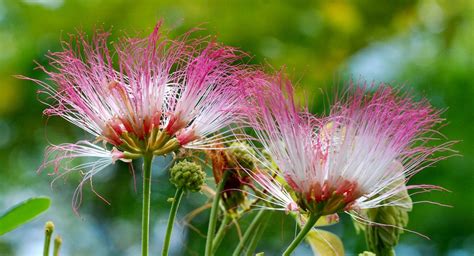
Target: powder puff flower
[
  {"x": 146, "y": 96},
  {"x": 369, "y": 142}
]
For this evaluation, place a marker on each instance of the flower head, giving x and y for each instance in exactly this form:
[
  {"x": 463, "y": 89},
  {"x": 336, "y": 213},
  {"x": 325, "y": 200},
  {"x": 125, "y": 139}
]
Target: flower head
[
  {"x": 369, "y": 141},
  {"x": 158, "y": 89},
  {"x": 144, "y": 96}
]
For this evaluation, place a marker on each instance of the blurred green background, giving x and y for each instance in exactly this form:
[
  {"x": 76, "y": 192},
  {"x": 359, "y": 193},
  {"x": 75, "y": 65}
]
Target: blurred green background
[{"x": 425, "y": 45}]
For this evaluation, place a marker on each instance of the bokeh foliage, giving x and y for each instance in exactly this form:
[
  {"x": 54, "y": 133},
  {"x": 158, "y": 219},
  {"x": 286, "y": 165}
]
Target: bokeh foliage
[{"x": 424, "y": 45}]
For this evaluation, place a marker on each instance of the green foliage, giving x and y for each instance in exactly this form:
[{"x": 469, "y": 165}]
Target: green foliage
[{"x": 23, "y": 213}]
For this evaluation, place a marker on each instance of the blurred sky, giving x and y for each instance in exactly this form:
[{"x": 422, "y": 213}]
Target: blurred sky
[{"x": 426, "y": 46}]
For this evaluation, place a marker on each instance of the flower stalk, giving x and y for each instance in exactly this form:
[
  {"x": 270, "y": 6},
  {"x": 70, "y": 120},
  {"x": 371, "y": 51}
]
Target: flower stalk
[
  {"x": 302, "y": 234},
  {"x": 252, "y": 244},
  {"x": 213, "y": 216},
  {"x": 147, "y": 160},
  {"x": 186, "y": 176},
  {"x": 172, "y": 216},
  {"x": 249, "y": 232},
  {"x": 221, "y": 232},
  {"x": 48, "y": 232}
]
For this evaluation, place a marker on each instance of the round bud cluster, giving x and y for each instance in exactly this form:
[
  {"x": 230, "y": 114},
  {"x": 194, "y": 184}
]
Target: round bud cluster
[
  {"x": 243, "y": 154},
  {"x": 187, "y": 175}
]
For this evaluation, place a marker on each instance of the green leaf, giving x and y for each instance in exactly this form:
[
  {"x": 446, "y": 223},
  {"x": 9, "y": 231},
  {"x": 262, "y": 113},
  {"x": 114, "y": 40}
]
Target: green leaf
[
  {"x": 325, "y": 243},
  {"x": 23, "y": 213}
]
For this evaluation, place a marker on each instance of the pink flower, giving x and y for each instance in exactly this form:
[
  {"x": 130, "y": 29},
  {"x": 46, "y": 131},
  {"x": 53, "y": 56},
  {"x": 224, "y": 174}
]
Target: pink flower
[
  {"x": 368, "y": 143},
  {"x": 190, "y": 89},
  {"x": 144, "y": 96}
]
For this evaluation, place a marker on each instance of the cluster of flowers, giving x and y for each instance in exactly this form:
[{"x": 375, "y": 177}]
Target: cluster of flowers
[{"x": 154, "y": 96}]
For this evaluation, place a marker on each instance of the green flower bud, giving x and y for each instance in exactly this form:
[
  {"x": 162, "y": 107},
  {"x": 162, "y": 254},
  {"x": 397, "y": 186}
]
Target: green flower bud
[
  {"x": 243, "y": 154},
  {"x": 49, "y": 227},
  {"x": 382, "y": 239},
  {"x": 187, "y": 175},
  {"x": 57, "y": 245}
]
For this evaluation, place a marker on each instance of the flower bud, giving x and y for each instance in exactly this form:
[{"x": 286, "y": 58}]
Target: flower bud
[
  {"x": 187, "y": 175},
  {"x": 382, "y": 239},
  {"x": 57, "y": 245},
  {"x": 49, "y": 228},
  {"x": 243, "y": 154}
]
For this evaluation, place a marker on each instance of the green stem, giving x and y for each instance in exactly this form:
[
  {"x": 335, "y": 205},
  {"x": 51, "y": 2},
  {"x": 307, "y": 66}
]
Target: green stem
[
  {"x": 257, "y": 235},
  {"x": 220, "y": 233},
  {"x": 47, "y": 241},
  {"x": 57, "y": 245},
  {"x": 147, "y": 160},
  {"x": 213, "y": 217},
  {"x": 307, "y": 227},
  {"x": 48, "y": 232},
  {"x": 169, "y": 229},
  {"x": 249, "y": 232}
]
